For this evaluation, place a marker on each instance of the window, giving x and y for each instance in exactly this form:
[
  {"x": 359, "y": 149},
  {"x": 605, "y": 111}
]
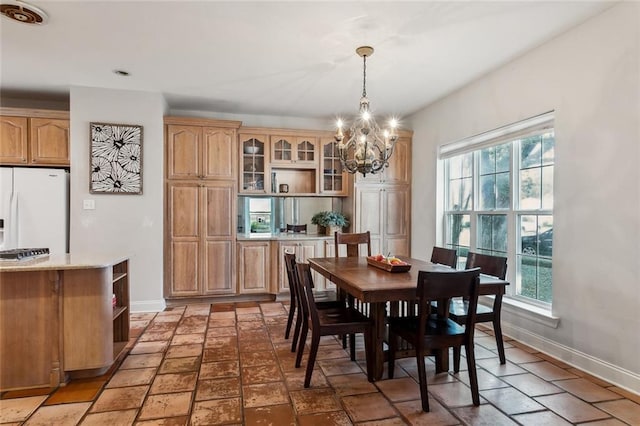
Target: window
[{"x": 499, "y": 200}]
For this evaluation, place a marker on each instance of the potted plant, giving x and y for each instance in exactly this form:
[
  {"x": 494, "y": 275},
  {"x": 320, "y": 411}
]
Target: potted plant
[{"x": 329, "y": 222}]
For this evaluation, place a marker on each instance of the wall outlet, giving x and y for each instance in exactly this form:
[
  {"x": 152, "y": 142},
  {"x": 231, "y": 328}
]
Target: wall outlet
[{"x": 89, "y": 204}]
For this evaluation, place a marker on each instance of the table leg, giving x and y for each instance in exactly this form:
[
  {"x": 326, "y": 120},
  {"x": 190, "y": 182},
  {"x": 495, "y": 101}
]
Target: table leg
[{"x": 377, "y": 314}]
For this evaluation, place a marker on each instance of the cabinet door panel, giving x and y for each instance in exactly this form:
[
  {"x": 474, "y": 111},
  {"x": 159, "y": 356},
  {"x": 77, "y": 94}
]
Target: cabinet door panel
[
  {"x": 368, "y": 210},
  {"x": 220, "y": 211},
  {"x": 399, "y": 170},
  {"x": 253, "y": 261},
  {"x": 13, "y": 134},
  {"x": 184, "y": 268},
  {"x": 396, "y": 208},
  {"x": 219, "y": 153},
  {"x": 49, "y": 141},
  {"x": 183, "y": 151},
  {"x": 184, "y": 205},
  {"x": 283, "y": 281},
  {"x": 398, "y": 246},
  {"x": 218, "y": 273}
]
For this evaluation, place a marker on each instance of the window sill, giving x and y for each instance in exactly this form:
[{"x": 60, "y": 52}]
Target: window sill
[{"x": 525, "y": 310}]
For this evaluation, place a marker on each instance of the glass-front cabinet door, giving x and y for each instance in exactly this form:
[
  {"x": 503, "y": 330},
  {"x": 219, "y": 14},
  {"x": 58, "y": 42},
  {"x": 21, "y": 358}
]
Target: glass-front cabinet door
[
  {"x": 281, "y": 150},
  {"x": 253, "y": 176},
  {"x": 294, "y": 151},
  {"x": 333, "y": 176},
  {"x": 306, "y": 148}
]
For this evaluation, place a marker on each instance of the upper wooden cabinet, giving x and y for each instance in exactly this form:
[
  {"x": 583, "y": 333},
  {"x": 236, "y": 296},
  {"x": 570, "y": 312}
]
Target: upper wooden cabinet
[
  {"x": 200, "y": 152},
  {"x": 30, "y": 138},
  {"x": 295, "y": 151},
  {"x": 254, "y": 159},
  {"x": 333, "y": 177},
  {"x": 399, "y": 170}
]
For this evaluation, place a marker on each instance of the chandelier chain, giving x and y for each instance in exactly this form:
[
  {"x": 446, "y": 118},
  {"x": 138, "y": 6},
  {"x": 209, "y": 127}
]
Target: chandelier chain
[{"x": 364, "y": 77}]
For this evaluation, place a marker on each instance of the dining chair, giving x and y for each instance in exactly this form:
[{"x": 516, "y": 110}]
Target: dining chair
[
  {"x": 343, "y": 320},
  {"x": 444, "y": 256},
  {"x": 297, "y": 228},
  {"x": 428, "y": 332},
  {"x": 290, "y": 265},
  {"x": 459, "y": 310},
  {"x": 353, "y": 242}
]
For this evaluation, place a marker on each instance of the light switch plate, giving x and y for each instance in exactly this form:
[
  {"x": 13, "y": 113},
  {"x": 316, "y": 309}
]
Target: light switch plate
[{"x": 88, "y": 204}]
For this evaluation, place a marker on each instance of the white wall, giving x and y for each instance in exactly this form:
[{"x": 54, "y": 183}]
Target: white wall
[
  {"x": 591, "y": 77},
  {"x": 130, "y": 225}
]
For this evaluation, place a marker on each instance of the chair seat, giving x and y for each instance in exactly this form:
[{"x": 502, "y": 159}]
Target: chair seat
[
  {"x": 459, "y": 308},
  {"x": 435, "y": 326},
  {"x": 340, "y": 316}
]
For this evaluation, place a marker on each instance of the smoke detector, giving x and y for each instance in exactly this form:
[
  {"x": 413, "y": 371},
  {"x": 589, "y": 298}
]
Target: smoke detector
[{"x": 23, "y": 12}]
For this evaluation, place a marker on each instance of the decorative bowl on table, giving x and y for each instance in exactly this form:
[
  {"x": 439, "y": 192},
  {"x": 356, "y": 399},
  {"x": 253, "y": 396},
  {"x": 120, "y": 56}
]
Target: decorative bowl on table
[{"x": 389, "y": 264}]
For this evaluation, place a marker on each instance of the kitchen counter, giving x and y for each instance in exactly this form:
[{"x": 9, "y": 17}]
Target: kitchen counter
[
  {"x": 282, "y": 236},
  {"x": 61, "y": 262}
]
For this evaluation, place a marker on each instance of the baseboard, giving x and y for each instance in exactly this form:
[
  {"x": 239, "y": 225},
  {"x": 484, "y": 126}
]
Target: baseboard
[
  {"x": 148, "y": 306},
  {"x": 613, "y": 374}
]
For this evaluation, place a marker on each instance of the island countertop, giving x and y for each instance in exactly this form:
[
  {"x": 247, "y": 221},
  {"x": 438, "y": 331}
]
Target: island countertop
[{"x": 62, "y": 262}]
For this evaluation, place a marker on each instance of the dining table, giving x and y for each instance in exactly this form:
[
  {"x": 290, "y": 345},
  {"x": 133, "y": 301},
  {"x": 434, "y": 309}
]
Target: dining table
[{"x": 378, "y": 287}]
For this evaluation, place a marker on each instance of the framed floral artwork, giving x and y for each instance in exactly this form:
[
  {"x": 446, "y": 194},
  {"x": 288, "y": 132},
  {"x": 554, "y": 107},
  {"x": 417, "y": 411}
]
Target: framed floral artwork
[{"x": 116, "y": 159}]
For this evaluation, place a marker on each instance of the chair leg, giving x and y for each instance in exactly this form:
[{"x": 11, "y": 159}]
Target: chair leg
[
  {"x": 368, "y": 348},
  {"x": 497, "y": 330},
  {"x": 303, "y": 339},
  {"x": 422, "y": 378},
  {"x": 292, "y": 309},
  {"x": 344, "y": 341},
  {"x": 315, "y": 343},
  {"x": 473, "y": 375},
  {"x": 456, "y": 359},
  {"x": 296, "y": 333}
]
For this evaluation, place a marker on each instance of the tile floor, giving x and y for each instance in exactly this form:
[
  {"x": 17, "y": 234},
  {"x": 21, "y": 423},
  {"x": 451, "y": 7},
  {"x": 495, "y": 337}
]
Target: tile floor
[{"x": 230, "y": 364}]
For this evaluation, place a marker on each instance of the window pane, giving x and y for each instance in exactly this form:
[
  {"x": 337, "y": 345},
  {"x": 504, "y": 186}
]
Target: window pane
[
  {"x": 530, "y": 152},
  {"x": 530, "y": 189},
  {"x": 503, "y": 158},
  {"x": 459, "y": 230},
  {"x": 492, "y": 234},
  {"x": 503, "y": 187},
  {"x": 455, "y": 167},
  {"x": 500, "y": 233},
  {"x": 467, "y": 165},
  {"x": 487, "y": 192},
  {"x": 547, "y": 187},
  {"x": 487, "y": 161},
  {"x": 548, "y": 145},
  {"x": 485, "y": 231}
]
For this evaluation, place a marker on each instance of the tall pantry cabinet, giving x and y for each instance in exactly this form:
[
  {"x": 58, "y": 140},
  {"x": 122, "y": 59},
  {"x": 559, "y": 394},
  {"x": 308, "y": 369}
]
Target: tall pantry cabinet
[
  {"x": 382, "y": 203},
  {"x": 200, "y": 206}
]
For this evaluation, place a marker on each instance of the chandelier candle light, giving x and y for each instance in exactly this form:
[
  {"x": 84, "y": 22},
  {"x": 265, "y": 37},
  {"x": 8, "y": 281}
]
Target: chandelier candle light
[{"x": 368, "y": 148}]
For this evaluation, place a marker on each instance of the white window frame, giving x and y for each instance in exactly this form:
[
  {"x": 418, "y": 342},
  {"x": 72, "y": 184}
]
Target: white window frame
[{"x": 509, "y": 133}]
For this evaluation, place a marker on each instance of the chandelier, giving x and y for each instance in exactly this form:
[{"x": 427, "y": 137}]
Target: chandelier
[{"x": 368, "y": 148}]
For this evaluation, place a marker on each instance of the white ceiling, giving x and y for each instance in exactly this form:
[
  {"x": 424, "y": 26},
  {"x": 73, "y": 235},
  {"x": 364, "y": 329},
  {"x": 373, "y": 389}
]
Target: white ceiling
[{"x": 276, "y": 58}]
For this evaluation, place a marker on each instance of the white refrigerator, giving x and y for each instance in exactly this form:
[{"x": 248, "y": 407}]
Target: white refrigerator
[{"x": 34, "y": 209}]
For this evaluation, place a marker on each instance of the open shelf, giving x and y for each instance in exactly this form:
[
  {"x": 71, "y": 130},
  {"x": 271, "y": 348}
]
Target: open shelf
[
  {"x": 118, "y": 347},
  {"x": 118, "y": 310},
  {"x": 117, "y": 276}
]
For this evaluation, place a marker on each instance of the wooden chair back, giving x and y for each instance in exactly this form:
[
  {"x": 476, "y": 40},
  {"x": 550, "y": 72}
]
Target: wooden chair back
[
  {"x": 489, "y": 265},
  {"x": 444, "y": 256},
  {"x": 353, "y": 241},
  {"x": 297, "y": 228}
]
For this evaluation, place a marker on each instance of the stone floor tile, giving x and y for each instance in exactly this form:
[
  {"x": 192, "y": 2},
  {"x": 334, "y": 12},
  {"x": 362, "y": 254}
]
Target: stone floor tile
[
  {"x": 308, "y": 401},
  {"x": 120, "y": 399},
  {"x": 334, "y": 367},
  {"x": 166, "y": 405},
  {"x": 142, "y": 361},
  {"x": 261, "y": 374},
  {"x": 371, "y": 406},
  {"x": 626, "y": 394},
  {"x": 571, "y": 408},
  {"x": 437, "y": 415},
  {"x": 220, "y": 369},
  {"x": 493, "y": 366},
  {"x": 333, "y": 418},
  {"x": 133, "y": 377},
  {"x": 187, "y": 339},
  {"x": 486, "y": 380},
  {"x": 223, "y": 353},
  {"x": 351, "y": 384},
  {"x": 218, "y": 389},
  {"x": 82, "y": 390},
  {"x": 587, "y": 390},
  {"x": 393, "y": 421},
  {"x": 548, "y": 371},
  {"x": 18, "y": 409},
  {"x": 485, "y": 414},
  {"x": 623, "y": 409},
  {"x": 519, "y": 356},
  {"x": 531, "y": 384},
  {"x": 511, "y": 401},
  {"x": 589, "y": 377},
  {"x": 178, "y": 382},
  {"x": 295, "y": 379},
  {"x": 546, "y": 418},
  {"x": 452, "y": 394},
  {"x": 148, "y": 347},
  {"x": 396, "y": 390},
  {"x": 63, "y": 414},
  {"x": 110, "y": 418},
  {"x": 254, "y": 359},
  {"x": 265, "y": 394},
  {"x": 281, "y": 415},
  {"x": 180, "y": 365},
  {"x": 168, "y": 421}
]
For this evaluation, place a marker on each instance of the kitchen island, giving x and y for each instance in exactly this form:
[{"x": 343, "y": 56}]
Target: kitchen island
[{"x": 61, "y": 316}]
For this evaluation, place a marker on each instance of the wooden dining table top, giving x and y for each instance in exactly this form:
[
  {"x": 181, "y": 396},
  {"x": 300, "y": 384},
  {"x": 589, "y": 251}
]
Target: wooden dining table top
[{"x": 371, "y": 284}]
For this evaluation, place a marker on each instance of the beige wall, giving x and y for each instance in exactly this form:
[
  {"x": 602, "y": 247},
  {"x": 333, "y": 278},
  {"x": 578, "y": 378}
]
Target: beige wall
[{"x": 590, "y": 76}]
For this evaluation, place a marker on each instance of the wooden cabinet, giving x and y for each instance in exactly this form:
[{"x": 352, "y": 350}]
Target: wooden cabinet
[
  {"x": 303, "y": 250},
  {"x": 203, "y": 152},
  {"x": 201, "y": 236},
  {"x": 333, "y": 177},
  {"x": 34, "y": 140},
  {"x": 298, "y": 151},
  {"x": 399, "y": 170},
  {"x": 200, "y": 207},
  {"x": 254, "y": 266},
  {"x": 254, "y": 149},
  {"x": 97, "y": 339}
]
